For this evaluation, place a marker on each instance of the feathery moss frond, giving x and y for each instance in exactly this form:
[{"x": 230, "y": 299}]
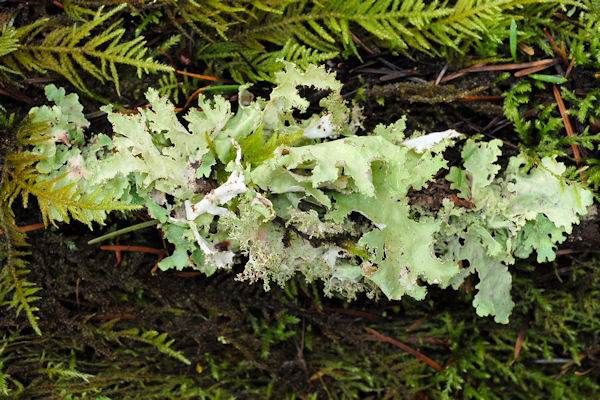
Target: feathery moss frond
[
  {"x": 56, "y": 200},
  {"x": 151, "y": 337},
  {"x": 63, "y": 50},
  {"x": 208, "y": 19},
  {"x": 14, "y": 268},
  {"x": 8, "y": 44},
  {"x": 405, "y": 24},
  {"x": 248, "y": 64},
  {"x": 57, "y": 369}
]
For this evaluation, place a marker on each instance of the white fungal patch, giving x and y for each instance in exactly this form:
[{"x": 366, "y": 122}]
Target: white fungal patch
[
  {"x": 210, "y": 203},
  {"x": 76, "y": 169},
  {"x": 405, "y": 279},
  {"x": 220, "y": 259},
  {"x": 321, "y": 129},
  {"x": 421, "y": 143}
]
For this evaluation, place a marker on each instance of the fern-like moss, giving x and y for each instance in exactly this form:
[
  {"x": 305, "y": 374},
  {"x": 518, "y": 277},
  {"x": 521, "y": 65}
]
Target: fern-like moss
[
  {"x": 250, "y": 64},
  {"x": 407, "y": 24},
  {"x": 14, "y": 269},
  {"x": 42, "y": 46},
  {"x": 20, "y": 177},
  {"x": 151, "y": 337}
]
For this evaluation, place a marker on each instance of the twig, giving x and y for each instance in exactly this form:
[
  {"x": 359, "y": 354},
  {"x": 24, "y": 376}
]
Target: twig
[
  {"x": 205, "y": 89},
  {"x": 569, "y": 20},
  {"x": 118, "y": 252},
  {"x": 567, "y": 122},
  {"x": 417, "y": 324},
  {"x": 361, "y": 44},
  {"x": 478, "y": 98},
  {"x": 567, "y": 366},
  {"x": 27, "y": 228},
  {"x": 532, "y": 70},
  {"x": 388, "y": 64},
  {"x": 510, "y": 67},
  {"x": 398, "y": 74},
  {"x": 165, "y": 54},
  {"x": 17, "y": 96},
  {"x": 519, "y": 343},
  {"x": 563, "y": 52},
  {"x": 558, "y": 52},
  {"x": 142, "y": 249},
  {"x": 131, "y": 228},
  {"x": 570, "y": 68},
  {"x": 501, "y": 67},
  {"x": 205, "y": 77},
  {"x": 187, "y": 274},
  {"x": 406, "y": 348},
  {"x": 441, "y": 74}
]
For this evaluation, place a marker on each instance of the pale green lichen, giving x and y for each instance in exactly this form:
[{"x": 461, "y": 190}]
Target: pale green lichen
[{"x": 335, "y": 210}]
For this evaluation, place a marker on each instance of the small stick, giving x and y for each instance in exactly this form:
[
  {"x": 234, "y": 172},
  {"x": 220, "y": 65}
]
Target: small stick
[
  {"x": 27, "y": 228},
  {"x": 532, "y": 70},
  {"x": 192, "y": 97},
  {"x": 555, "y": 47},
  {"x": 570, "y": 68},
  {"x": 519, "y": 343},
  {"x": 142, "y": 249},
  {"x": 187, "y": 274},
  {"x": 406, "y": 348},
  {"x": 501, "y": 67},
  {"x": 567, "y": 122},
  {"x": 441, "y": 74},
  {"x": 153, "y": 270},
  {"x": 573, "y": 251},
  {"x": 131, "y": 228},
  {"x": 476, "y": 98},
  {"x": 77, "y": 290},
  {"x": 205, "y": 77},
  {"x": 509, "y": 67},
  {"x": 117, "y": 252},
  {"x": 563, "y": 52},
  {"x": 361, "y": 44},
  {"x": 460, "y": 73},
  {"x": 569, "y": 20},
  {"x": 417, "y": 324}
]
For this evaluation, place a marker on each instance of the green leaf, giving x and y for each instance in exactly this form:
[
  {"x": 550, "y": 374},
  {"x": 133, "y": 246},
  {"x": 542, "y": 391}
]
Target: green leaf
[
  {"x": 493, "y": 290},
  {"x": 401, "y": 259},
  {"x": 513, "y": 39},
  {"x": 549, "y": 78}
]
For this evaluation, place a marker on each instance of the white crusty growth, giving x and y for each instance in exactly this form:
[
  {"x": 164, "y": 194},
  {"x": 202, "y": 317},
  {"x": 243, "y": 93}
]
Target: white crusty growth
[
  {"x": 322, "y": 128},
  {"x": 220, "y": 259},
  {"x": 210, "y": 203},
  {"x": 426, "y": 142}
]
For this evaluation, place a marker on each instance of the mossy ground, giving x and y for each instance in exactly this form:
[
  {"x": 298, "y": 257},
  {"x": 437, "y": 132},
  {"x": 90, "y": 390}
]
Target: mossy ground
[
  {"x": 291, "y": 343},
  {"x": 245, "y": 343}
]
